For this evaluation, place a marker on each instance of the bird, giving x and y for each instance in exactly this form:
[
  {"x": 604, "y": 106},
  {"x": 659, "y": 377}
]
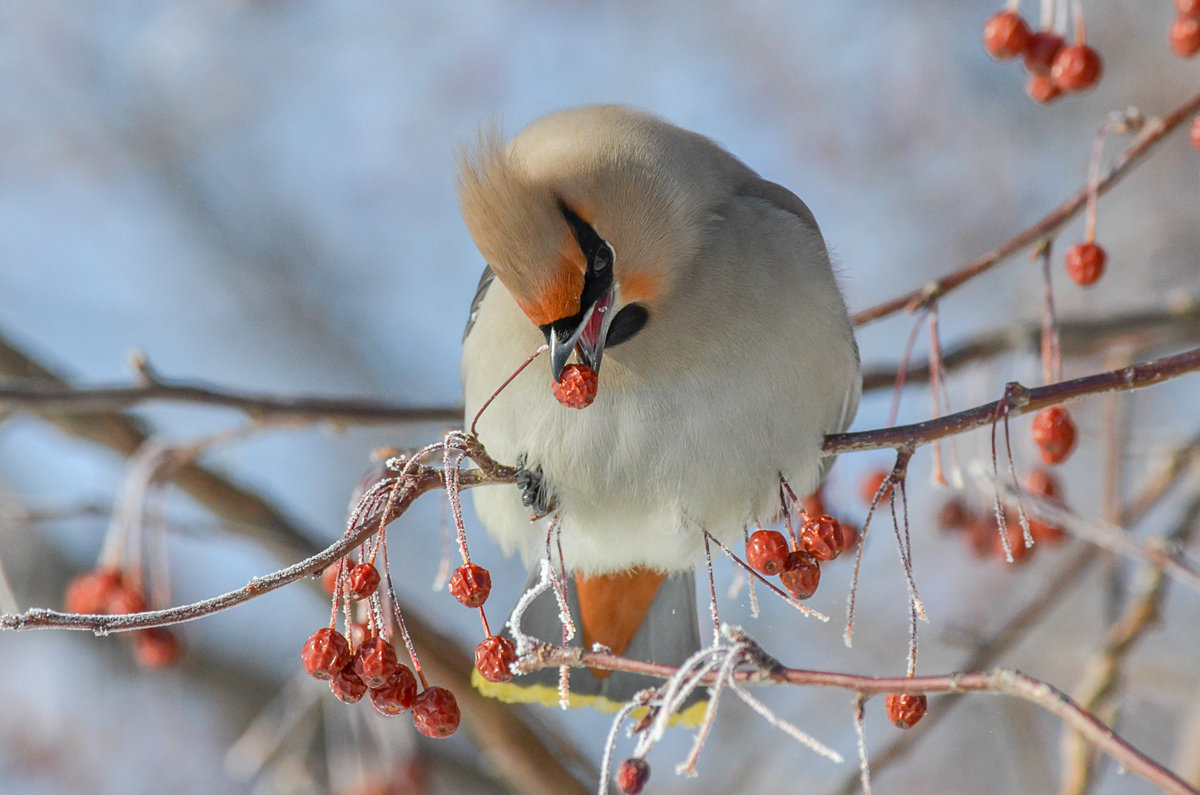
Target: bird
[{"x": 704, "y": 298}]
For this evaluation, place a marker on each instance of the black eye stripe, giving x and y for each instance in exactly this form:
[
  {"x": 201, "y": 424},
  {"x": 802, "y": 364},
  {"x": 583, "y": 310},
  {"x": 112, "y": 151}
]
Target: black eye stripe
[{"x": 598, "y": 254}]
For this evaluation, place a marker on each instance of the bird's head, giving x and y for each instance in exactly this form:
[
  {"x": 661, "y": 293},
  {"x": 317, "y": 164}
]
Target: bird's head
[{"x": 584, "y": 220}]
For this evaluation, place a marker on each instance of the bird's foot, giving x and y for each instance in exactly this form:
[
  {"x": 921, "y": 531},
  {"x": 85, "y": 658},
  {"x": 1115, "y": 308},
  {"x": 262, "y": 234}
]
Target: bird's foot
[{"x": 534, "y": 493}]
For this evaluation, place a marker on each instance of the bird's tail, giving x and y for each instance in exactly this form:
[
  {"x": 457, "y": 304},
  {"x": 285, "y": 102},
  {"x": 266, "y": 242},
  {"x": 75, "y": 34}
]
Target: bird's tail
[{"x": 641, "y": 614}]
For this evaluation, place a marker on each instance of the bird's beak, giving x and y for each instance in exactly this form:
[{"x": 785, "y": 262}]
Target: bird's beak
[{"x": 584, "y": 332}]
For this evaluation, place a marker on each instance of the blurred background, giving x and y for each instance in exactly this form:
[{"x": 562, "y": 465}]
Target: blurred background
[{"x": 259, "y": 195}]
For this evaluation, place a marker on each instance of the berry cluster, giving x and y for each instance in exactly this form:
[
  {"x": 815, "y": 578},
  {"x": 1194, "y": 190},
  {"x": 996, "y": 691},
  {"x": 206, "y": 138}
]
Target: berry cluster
[
  {"x": 366, "y": 664},
  {"x": 108, "y": 591},
  {"x": 980, "y": 527},
  {"x": 1184, "y": 35},
  {"x": 1054, "y": 66},
  {"x": 798, "y": 565}
]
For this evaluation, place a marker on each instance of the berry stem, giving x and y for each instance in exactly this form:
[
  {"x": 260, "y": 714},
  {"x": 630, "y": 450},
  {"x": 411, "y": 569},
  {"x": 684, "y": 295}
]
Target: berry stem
[
  {"x": 1051, "y": 351},
  {"x": 487, "y": 630},
  {"x": 902, "y": 374},
  {"x": 935, "y": 388},
  {"x": 504, "y": 386}
]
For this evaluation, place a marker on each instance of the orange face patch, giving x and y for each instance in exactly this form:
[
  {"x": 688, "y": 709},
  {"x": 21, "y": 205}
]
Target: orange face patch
[
  {"x": 640, "y": 286},
  {"x": 558, "y": 296}
]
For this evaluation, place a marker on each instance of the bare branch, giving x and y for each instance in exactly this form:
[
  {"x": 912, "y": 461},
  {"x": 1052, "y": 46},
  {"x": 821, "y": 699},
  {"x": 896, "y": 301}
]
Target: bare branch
[
  {"x": 1154, "y": 132},
  {"x": 1021, "y": 400}
]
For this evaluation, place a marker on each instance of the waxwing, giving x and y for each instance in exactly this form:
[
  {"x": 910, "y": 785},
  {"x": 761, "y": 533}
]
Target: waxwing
[{"x": 704, "y": 297}]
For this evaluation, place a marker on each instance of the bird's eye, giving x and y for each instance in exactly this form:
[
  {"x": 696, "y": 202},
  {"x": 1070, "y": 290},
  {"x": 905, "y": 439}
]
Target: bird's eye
[{"x": 603, "y": 258}]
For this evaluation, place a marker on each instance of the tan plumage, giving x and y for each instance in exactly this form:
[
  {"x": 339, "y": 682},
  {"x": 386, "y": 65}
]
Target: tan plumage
[{"x": 746, "y": 361}]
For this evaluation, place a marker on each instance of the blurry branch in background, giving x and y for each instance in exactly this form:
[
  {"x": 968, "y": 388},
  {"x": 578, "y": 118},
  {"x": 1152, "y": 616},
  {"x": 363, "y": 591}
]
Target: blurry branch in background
[
  {"x": 249, "y": 513},
  {"x": 1154, "y": 130},
  {"x": 507, "y": 737},
  {"x": 1078, "y": 338},
  {"x": 57, "y": 399},
  {"x": 1182, "y": 460},
  {"x": 1101, "y": 677}
]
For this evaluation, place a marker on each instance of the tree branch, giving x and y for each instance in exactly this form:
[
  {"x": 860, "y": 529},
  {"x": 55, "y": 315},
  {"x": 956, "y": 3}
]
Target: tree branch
[
  {"x": 1017, "y": 401},
  {"x": 1077, "y": 337},
  {"x": 1155, "y": 130}
]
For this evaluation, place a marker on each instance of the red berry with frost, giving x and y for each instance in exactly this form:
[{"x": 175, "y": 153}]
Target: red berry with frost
[
  {"x": 1184, "y": 36},
  {"x": 329, "y": 577},
  {"x": 375, "y": 662},
  {"x": 1006, "y": 35},
  {"x": 362, "y": 581},
  {"x": 822, "y": 537},
  {"x": 325, "y": 653},
  {"x": 633, "y": 775},
  {"x": 347, "y": 686},
  {"x": 766, "y": 551},
  {"x": 157, "y": 647},
  {"x": 1085, "y": 263},
  {"x": 471, "y": 584},
  {"x": 435, "y": 712},
  {"x": 1043, "y": 89},
  {"x": 1077, "y": 67},
  {"x": 801, "y": 574},
  {"x": 849, "y": 537},
  {"x": 905, "y": 710},
  {"x": 1041, "y": 50},
  {"x": 494, "y": 658},
  {"x": 1054, "y": 434},
  {"x": 576, "y": 388},
  {"x": 397, "y": 695},
  {"x": 91, "y": 592}
]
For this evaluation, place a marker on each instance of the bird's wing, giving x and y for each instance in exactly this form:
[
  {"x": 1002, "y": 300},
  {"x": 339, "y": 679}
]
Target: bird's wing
[{"x": 485, "y": 281}]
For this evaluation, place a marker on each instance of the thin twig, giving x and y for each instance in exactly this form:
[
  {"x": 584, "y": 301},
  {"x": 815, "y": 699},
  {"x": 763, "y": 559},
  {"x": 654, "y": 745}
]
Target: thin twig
[
  {"x": 1020, "y": 400},
  {"x": 1154, "y": 132}
]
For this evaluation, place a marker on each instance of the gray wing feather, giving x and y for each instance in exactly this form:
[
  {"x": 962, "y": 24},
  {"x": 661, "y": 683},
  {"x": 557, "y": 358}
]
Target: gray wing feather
[{"x": 485, "y": 281}]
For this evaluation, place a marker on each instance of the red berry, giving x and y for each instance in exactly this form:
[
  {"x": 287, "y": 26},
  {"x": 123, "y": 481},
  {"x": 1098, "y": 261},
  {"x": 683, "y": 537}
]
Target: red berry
[
  {"x": 359, "y": 632},
  {"x": 1054, "y": 434},
  {"x": 633, "y": 775},
  {"x": 906, "y": 710},
  {"x": 1196, "y": 132},
  {"x": 766, "y": 551},
  {"x": 471, "y": 584},
  {"x": 801, "y": 574},
  {"x": 325, "y": 653},
  {"x": 1041, "y": 50},
  {"x": 124, "y": 599},
  {"x": 157, "y": 647},
  {"x": 1043, "y": 89},
  {"x": 494, "y": 658},
  {"x": 347, "y": 686},
  {"x": 822, "y": 537},
  {"x": 954, "y": 515},
  {"x": 397, "y": 695},
  {"x": 576, "y": 388},
  {"x": 1040, "y": 483},
  {"x": 362, "y": 581},
  {"x": 1085, "y": 263},
  {"x": 435, "y": 712},
  {"x": 871, "y": 485},
  {"x": 1184, "y": 36},
  {"x": 849, "y": 537},
  {"x": 91, "y": 592},
  {"x": 982, "y": 536},
  {"x": 1005, "y": 35},
  {"x": 329, "y": 577},
  {"x": 1077, "y": 67},
  {"x": 375, "y": 662},
  {"x": 1188, "y": 8}
]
